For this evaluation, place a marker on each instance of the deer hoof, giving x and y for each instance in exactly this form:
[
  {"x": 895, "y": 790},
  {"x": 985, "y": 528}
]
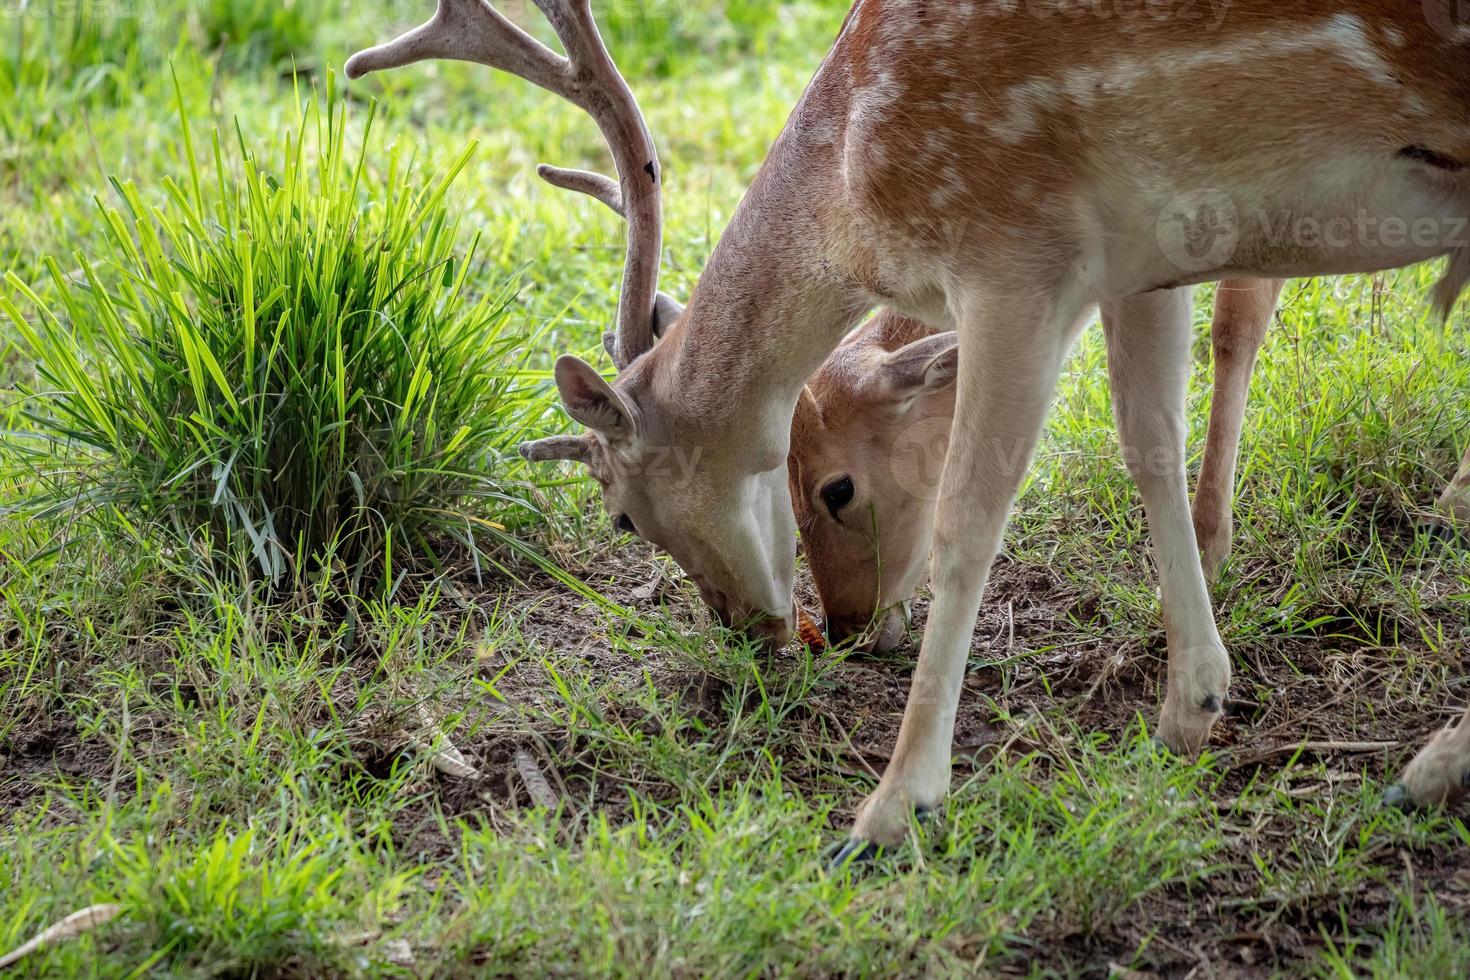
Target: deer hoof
[
  {"x": 852, "y": 853},
  {"x": 1398, "y": 797},
  {"x": 1437, "y": 776},
  {"x": 1184, "y": 732},
  {"x": 1198, "y": 684},
  {"x": 858, "y": 851},
  {"x": 1186, "y": 736}
]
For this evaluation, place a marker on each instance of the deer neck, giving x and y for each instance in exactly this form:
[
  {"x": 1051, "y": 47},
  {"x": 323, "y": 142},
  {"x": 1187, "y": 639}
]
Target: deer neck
[{"x": 769, "y": 306}]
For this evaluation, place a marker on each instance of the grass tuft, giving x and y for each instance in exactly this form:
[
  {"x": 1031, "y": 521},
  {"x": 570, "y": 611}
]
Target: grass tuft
[{"x": 278, "y": 364}]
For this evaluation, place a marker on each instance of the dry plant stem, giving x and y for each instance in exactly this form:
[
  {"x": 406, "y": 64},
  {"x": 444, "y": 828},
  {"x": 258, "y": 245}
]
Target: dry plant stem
[
  {"x": 1260, "y": 755},
  {"x": 70, "y": 927}
]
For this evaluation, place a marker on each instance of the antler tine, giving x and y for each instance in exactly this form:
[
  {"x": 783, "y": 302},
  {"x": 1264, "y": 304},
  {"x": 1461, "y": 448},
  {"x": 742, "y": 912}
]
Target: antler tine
[
  {"x": 612, "y": 104},
  {"x": 666, "y": 309},
  {"x": 469, "y": 30},
  {"x": 472, "y": 30},
  {"x": 605, "y": 189}
]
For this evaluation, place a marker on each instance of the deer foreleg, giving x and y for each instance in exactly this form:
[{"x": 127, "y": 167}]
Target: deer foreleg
[
  {"x": 1455, "y": 501},
  {"x": 1009, "y": 358},
  {"x": 1149, "y": 339}
]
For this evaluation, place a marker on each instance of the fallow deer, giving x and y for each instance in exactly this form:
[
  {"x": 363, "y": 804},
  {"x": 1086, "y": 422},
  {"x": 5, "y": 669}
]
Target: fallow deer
[
  {"x": 1455, "y": 501},
  {"x": 975, "y": 168},
  {"x": 871, "y": 431}
]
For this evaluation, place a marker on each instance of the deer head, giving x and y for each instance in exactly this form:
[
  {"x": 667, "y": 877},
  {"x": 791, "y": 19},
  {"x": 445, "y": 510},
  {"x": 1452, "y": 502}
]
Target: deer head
[
  {"x": 868, "y": 441},
  {"x": 667, "y": 473}
]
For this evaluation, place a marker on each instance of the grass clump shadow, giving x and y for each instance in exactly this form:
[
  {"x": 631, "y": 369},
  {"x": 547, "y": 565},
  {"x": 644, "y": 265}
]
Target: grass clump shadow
[{"x": 278, "y": 370}]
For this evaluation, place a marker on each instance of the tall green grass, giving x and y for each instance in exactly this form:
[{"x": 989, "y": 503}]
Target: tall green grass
[
  {"x": 271, "y": 32},
  {"x": 277, "y": 364},
  {"x": 671, "y": 37}
]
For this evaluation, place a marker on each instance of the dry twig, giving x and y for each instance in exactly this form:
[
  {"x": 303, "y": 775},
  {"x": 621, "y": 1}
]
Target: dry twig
[
  {"x": 1287, "y": 748},
  {"x": 70, "y": 927}
]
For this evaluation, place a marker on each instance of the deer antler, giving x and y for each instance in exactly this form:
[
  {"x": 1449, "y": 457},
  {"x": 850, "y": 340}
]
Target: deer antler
[
  {"x": 605, "y": 189},
  {"x": 666, "y": 309},
  {"x": 473, "y": 30}
]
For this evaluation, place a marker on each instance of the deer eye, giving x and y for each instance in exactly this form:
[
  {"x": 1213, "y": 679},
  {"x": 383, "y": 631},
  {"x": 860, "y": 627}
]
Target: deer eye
[
  {"x": 837, "y": 495},
  {"x": 624, "y": 523}
]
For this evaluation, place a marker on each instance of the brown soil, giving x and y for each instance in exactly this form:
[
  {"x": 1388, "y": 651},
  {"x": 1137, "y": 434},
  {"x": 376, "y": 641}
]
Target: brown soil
[
  {"x": 1314, "y": 688},
  {"x": 45, "y": 751},
  {"x": 1338, "y": 692}
]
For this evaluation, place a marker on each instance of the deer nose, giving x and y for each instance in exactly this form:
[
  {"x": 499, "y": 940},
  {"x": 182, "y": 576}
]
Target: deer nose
[
  {"x": 840, "y": 629},
  {"x": 772, "y": 632},
  {"x": 879, "y": 635},
  {"x": 767, "y": 629}
]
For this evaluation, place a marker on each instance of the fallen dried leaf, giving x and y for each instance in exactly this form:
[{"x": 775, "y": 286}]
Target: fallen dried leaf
[
  {"x": 809, "y": 632},
  {"x": 444, "y": 755},
  {"x": 536, "y": 783}
]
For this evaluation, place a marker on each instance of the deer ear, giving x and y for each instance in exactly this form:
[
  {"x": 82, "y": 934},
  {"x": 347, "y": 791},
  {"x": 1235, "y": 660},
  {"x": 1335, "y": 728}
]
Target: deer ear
[
  {"x": 666, "y": 310},
  {"x": 592, "y": 401},
  {"x": 922, "y": 367},
  {"x": 806, "y": 402}
]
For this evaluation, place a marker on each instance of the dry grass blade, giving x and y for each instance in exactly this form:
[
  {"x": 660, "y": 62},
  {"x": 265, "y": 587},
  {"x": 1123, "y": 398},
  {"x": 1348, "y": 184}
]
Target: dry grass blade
[
  {"x": 1318, "y": 748},
  {"x": 540, "y": 790},
  {"x": 70, "y": 927}
]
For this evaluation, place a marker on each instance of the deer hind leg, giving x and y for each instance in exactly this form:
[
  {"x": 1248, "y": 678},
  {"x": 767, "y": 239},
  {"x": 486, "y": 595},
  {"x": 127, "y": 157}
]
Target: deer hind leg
[
  {"x": 1455, "y": 502},
  {"x": 1440, "y": 773},
  {"x": 1009, "y": 359},
  {"x": 1148, "y": 360},
  {"x": 1243, "y": 309}
]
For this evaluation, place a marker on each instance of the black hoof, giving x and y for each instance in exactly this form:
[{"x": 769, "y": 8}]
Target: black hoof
[
  {"x": 853, "y": 852},
  {"x": 1211, "y": 703},
  {"x": 856, "y": 851},
  {"x": 1441, "y": 531},
  {"x": 1398, "y": 797}
]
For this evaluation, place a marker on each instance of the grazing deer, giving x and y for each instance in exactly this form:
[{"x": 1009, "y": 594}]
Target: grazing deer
[
  {"x": 871, "y": 431},
  {"x": 868, "y": 442},
  {"x": 1455, "y": 501},
  {"x": 977, "y": 169}
]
